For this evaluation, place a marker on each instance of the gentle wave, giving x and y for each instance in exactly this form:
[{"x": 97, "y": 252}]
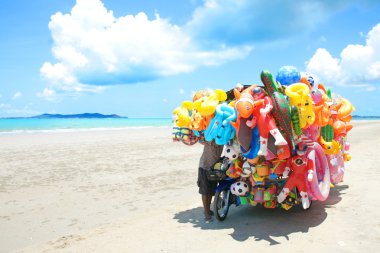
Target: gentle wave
[
  {"x": 33, "y": 125},
  {"x": 72, "y": 130}
]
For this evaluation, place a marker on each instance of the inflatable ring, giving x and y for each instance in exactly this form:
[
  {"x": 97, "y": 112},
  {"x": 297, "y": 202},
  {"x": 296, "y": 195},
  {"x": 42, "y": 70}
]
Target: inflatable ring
[{"x": 319, "y": 187}]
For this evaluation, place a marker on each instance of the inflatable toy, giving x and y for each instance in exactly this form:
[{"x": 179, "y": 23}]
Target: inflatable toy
[
  {"x": 199, "y": 122},
  {"x": 287, "y": 75},
  {"x": 285, "y": 143},
  {"x": 319, "y": 186},
  {"x": 344, "y": 110},
  {"x": 182, "y": 114},
  {"x": 321, "y": 107},
  {"x": 206, "y": 105},
  {"x": 296, "y": 120},
  {"x": 298, "y": 94},
  {"x": 261, "y": 106},
  {"x": 330, "y": 147},
  {"x": 308, "y": 79},
  {"x": 220, "y": 128},
  {"x": 281, "y": 108},
  {"x": 300, "y": 166}
]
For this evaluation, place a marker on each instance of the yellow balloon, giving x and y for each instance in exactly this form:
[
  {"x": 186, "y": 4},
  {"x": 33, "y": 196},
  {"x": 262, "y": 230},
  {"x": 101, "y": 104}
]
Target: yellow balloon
[
  {"x": 182, "y": 114},
  {"x": 206, "y": 105},
  {"x": 299, "y": 96}
]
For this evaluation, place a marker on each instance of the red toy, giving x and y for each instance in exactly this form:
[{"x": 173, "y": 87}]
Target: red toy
[
  {"x": 300, "y": 165},
  {"x": 265, "y": 121}
]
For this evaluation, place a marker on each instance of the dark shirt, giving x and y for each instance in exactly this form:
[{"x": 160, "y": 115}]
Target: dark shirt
[{"x": 211, "y": 154}]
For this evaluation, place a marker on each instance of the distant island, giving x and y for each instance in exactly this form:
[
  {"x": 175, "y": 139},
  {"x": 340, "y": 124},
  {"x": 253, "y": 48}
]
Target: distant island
[
  {"x": 81, "y": 116},
  {"x": 365, "y": 117}
]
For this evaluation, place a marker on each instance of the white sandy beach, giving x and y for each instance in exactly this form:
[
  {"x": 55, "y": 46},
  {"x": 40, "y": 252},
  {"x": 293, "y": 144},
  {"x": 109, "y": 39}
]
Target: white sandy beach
[{"x": 135, "y": 190}]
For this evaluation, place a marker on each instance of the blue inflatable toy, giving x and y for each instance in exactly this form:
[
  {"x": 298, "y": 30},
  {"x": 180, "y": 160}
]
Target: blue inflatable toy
[
  {"x": 255, "y": 145},
  {"x": 287, "y": 75},
  {"x": 220, "y": 128}
]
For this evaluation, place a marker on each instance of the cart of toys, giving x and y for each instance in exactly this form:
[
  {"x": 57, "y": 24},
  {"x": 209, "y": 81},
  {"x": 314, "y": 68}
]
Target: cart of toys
[{"x": 285, "y": 140}]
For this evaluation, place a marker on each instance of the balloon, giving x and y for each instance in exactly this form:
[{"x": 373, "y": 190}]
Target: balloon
[
  {"x": 298, "y": 94},
  {"x": 206, "y": 105},
  {"x": 182, "y": 114},
  {"x": 287, "y": 75},
  {"x": 220, "y": 128}
]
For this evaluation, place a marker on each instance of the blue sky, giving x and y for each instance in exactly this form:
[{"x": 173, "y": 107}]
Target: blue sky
[{"x": 142, "y": 58}]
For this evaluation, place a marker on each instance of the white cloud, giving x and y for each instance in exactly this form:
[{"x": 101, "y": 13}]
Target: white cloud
[
  {"x": 4, "y": 106},
  {"x": 17, "y": 95},
  {"x": 358, "y": 65},
  {"x": 7, "y": 110},
  {"x": 237, "y": 22},
  {"x": 93, "y": 47}
]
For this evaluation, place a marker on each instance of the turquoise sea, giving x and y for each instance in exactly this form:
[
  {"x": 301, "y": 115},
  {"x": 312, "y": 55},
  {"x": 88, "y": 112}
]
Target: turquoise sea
[{"x": 16, "y": 125}]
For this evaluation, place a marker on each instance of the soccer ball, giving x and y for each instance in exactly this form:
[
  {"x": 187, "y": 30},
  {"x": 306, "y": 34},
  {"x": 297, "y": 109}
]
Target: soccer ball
[
  {"x": 239, "y": 188},
  {"x": 288, "y": 75},
  {"x": 231, "y": 151}
]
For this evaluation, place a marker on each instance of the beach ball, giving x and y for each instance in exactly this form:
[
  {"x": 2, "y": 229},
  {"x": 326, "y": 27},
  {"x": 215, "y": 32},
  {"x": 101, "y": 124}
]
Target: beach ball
[
  {"x": 287, "y": 75},
  {"x": 306, "y": 78}
]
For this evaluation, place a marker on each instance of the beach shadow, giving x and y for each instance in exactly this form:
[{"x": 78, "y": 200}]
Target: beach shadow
[{"x": 263, "y": 224}]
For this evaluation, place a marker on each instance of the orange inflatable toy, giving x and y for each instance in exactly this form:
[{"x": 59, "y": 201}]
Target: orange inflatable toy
[{"x": 321, "y": 107}]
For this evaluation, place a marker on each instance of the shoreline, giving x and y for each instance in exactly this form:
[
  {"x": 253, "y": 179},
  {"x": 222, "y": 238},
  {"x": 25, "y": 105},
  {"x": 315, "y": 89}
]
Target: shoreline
[
  {"x": 73, "y": 130},
  {"x": 102, "y": 129}
]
